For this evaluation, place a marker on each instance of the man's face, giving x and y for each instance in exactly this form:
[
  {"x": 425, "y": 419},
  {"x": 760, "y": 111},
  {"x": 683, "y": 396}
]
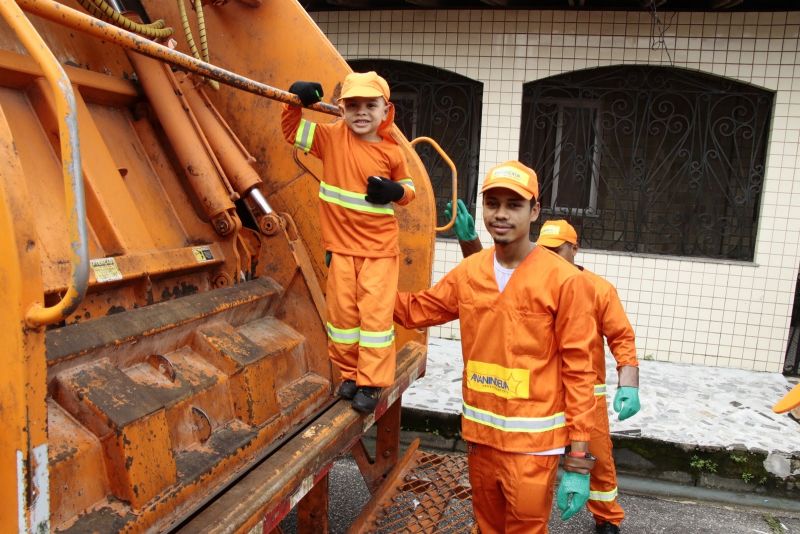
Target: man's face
[
  {"x": 568, "y": 251},
  {"x": 507, "y": 215},
  {"x": 364, "y": 115}
]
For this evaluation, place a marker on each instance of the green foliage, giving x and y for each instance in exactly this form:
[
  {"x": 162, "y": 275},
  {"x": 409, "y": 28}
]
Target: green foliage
[
  {"x": 739, "y": 458},
  {"x": 703, "y": 465},
  {"x": 773, "y": 523}
]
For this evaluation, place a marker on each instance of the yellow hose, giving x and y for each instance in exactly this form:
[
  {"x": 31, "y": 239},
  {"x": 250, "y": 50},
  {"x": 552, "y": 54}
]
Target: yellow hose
[
  {"x": 201, "y": 29},
  {"x": 187, "y": 31},
  {"x": 102, "y": 10}
]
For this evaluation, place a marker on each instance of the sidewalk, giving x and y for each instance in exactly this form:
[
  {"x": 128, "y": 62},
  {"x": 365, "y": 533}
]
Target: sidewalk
[{"x": 705, "y": 426}]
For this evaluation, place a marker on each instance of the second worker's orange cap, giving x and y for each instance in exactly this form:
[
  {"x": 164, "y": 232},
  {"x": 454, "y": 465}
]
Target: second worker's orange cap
[{"x": 556, "y": 233}]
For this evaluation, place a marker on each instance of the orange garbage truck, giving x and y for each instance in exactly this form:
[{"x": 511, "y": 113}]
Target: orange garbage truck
[{"x": 162, "y": 328}]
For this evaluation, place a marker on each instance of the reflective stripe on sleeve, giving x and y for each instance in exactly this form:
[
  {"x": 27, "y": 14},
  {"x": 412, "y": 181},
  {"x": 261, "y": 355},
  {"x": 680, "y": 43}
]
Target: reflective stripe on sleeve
[
  {"x": 350, "y": 200},
  {"x": 603, "y": 496},
  {"x": 408, "y": 183},
  {"x": 345, "y": 336},
  {"x": 514, "y": 424},
  {"x": 599, "y": 390},
  {"x": 304, "y": 137},
  {"x": 377, "y": 340}
]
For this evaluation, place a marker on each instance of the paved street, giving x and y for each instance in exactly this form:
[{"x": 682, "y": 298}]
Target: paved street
[{"x": 646, "y": 515}]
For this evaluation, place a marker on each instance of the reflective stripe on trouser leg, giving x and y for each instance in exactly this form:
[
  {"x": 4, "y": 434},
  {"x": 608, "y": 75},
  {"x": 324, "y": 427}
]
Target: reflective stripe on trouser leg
[
  {"x": 511, "y": 492},
  {"x": 602, "y": 502},
  {"x": 342, "y": 321},
  {"x": 376, "y": 294}
]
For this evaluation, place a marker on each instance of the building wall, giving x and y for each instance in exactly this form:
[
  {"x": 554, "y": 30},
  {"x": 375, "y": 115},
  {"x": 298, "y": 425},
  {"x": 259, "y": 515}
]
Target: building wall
[{"x": 711, "y": 312}]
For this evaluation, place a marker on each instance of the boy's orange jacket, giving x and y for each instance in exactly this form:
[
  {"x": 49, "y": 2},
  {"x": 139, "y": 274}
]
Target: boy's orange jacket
[
  {"x": 350, "y": 224},
  {"x": 613, "y": 324},
  {"x": 528, "y": 382}
]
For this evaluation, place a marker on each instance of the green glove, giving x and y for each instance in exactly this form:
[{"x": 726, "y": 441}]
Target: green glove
[
  {"x": 626, "y": 402},
  {"x": 465, "y": 224},
  {"x": 572, "y": 494}
]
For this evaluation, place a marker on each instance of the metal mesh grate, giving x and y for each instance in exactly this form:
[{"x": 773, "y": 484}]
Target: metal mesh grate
[{"x": 433, "y": 497}]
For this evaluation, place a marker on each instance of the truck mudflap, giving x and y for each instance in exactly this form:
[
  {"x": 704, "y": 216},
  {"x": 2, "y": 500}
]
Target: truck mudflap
[
  {"x": 424, "y": 493},
  {"x": 296, "y": 473}
]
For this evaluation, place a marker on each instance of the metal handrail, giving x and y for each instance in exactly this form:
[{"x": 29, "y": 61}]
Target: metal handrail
[
  {"x": 61, "y": 14},
  {"x": 454, "y": 172},
  {"x": 67, "y": 116}
]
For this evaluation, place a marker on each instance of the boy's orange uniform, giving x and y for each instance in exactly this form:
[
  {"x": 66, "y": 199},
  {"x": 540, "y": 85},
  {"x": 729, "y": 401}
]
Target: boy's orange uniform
[
  {"x": 363, "y": 240},
  {"x": 528, "y": 379}
]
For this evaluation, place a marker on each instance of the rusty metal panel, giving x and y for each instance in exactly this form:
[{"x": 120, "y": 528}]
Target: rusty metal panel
[
  {"x": 268, "y": 492},
  {"x": 174, "y": 401}
]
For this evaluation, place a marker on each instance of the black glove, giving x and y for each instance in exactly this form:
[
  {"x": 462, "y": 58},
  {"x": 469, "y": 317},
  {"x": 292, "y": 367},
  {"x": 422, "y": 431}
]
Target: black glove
[
  {"x": 382, "y": 190},
  {"x": 308, "y": 92}
]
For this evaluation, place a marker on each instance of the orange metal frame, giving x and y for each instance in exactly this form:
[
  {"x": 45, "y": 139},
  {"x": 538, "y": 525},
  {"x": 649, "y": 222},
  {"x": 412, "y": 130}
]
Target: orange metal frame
[{"x": 193, "y": 324}]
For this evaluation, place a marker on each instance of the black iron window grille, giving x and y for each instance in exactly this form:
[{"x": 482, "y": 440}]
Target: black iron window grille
[
  {"x": 650, "y": 159},
  {"x": 444, "y": 106}
]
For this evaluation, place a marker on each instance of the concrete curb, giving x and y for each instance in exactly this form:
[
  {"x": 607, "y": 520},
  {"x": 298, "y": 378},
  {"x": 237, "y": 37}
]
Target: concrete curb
[{"x": 713, "y": 468}]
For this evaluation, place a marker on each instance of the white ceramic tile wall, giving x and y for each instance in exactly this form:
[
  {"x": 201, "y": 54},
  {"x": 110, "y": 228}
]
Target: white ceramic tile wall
[{"x": 728, "y": 314}]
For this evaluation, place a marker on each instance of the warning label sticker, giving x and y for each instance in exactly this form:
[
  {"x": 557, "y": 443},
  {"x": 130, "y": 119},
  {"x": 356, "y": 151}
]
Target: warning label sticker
[
  {"x": 202, "y": 254},
  {"x": 105, "y": 269}
]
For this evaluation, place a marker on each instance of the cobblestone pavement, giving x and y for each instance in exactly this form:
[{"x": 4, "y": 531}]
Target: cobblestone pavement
[{"x": 688, "y": 404}]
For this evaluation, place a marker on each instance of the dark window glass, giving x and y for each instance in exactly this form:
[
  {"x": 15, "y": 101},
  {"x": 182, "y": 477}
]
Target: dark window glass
[{"x": 650, "y": 159}]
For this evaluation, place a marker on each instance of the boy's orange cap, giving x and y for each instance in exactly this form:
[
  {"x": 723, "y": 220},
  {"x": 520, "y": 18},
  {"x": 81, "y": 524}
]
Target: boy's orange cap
[
  {"x": 364, "y": 84},
  {"x": 556, "y": 233},
  {"x": 515, "y": 176}
]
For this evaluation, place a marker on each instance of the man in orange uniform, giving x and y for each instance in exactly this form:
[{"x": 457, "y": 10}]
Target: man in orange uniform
[
  {"x": 527, "y": 326},
  {"x": 612, "y": 323},
  {"x": 364, "y": 172}
]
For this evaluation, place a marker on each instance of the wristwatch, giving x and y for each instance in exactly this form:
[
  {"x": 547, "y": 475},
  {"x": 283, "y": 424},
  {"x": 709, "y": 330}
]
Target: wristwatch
[{"x": 581, "y": 454}]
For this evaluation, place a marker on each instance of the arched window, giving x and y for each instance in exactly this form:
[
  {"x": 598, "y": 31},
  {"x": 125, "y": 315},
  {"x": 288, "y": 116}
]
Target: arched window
[
  {"x": 444, "y": 106},
  {"x": 650, "y": 159}
]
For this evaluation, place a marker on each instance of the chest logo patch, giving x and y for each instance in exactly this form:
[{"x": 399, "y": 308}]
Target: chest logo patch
[{"x": 498, "y": 380}]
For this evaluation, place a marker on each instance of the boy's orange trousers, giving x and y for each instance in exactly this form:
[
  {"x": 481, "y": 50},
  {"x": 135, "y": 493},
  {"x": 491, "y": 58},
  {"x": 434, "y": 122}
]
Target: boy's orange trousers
[{"x": 360, "y": 298}]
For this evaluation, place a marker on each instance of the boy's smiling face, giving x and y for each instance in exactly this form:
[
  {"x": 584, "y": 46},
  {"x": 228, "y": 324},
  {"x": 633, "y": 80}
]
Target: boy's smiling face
[{"x": 364, "y": 115}]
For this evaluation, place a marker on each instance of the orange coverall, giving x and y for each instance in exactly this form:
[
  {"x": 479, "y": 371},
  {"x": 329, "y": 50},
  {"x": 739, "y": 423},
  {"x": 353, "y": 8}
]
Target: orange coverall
[
  {"x": 362, "y": 237},
  {"x": 528, "y": 383},
  {"x": 613, "y": 324}
]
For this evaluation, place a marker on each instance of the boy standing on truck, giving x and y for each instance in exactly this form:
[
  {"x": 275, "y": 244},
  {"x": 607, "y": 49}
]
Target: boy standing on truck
[
  {"x": 527, "y": 326},
  {"x": 364, "y": 173}
]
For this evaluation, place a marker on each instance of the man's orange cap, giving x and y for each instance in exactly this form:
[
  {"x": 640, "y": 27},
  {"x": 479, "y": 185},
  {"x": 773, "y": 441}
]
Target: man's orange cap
[
  {"x": 364, "y": 84},
  {"x": 515, "y": 176},
  {"x": 556, "y": 233}
]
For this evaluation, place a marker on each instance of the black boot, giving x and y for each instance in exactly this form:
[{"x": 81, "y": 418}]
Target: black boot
[
  {"x": 347, "y": 389},
  {"x": 606, "y": 528},
  {"x": 366, "y": 399}
]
